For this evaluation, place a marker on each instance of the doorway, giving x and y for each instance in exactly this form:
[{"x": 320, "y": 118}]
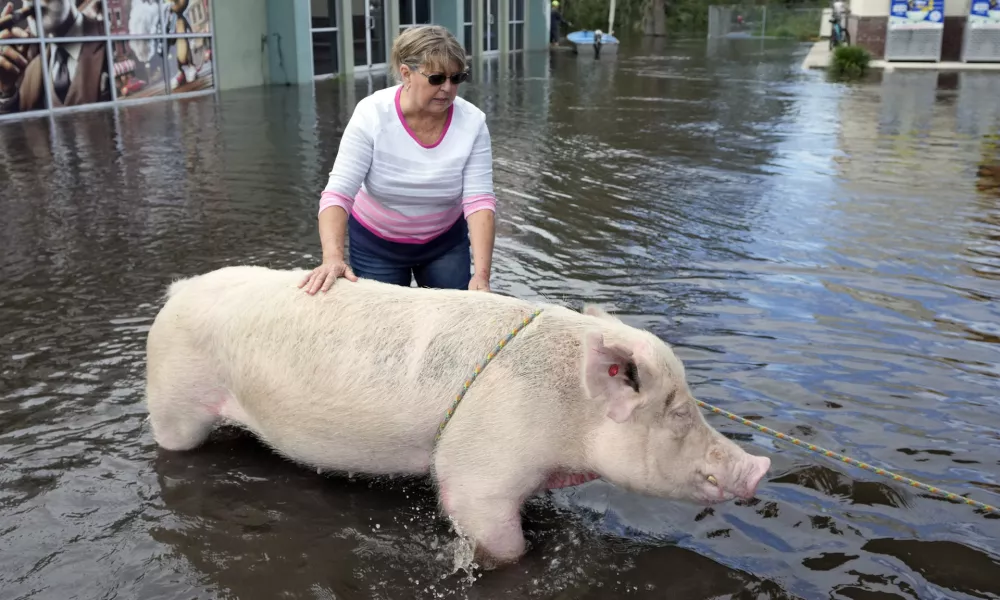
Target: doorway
[
  {"x": 413, "y": 12},
  {"x": 368, "y": 16},
  {"x": 325, "y": 36},
  {"x": 516, "y": 20},
  {"x": 491, "y": 27}
]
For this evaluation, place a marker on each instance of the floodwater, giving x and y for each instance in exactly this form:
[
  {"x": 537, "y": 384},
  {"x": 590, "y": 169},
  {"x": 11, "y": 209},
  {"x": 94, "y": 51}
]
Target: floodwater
[{"x": 826, "y": 259}]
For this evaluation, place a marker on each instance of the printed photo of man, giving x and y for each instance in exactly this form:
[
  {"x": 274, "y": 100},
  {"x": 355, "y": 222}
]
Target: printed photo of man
[{"x": 78, "y": 70}]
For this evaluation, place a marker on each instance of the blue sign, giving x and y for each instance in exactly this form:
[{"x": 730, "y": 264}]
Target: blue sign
[
  {"x": 917, "y": 14},
  {"x": 984, "y": 14}
]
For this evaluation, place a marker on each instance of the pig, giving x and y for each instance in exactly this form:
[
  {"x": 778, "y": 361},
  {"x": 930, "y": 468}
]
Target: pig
[{"x": 359, "y": 379}]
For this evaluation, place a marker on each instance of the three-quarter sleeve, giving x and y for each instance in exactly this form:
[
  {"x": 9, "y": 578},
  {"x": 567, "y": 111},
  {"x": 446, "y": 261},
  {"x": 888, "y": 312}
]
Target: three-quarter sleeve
[
  {"x": 354, "y": 158},
  {"x": 477, "y": 177}
]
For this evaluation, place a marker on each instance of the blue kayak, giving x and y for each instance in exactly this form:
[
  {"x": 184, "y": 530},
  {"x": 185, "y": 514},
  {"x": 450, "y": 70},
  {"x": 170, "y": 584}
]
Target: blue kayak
[{"x": 586, "y": 38}]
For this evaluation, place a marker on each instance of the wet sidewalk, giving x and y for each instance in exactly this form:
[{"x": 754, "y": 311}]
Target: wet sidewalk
[{"x": 819, "y": 58}]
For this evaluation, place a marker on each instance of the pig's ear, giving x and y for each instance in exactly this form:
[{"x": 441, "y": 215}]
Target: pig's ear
[
  {"x": 610, "y": 374},
  {"x": 592, "y": 310}
]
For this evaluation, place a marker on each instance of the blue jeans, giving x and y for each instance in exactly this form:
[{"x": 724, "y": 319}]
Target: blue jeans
[{"x": 444, "y": 262}]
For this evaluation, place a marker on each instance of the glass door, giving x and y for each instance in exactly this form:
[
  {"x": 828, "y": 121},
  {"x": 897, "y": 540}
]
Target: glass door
[
  {"x": 368, "y": 17},
  {"x": 491, "y": 26},
  {"x": 467, "y": 27},
  {"x": 413, "y": 12},
  {"x": 516, "y": 25},
  {"x": 325, "y": 34}
]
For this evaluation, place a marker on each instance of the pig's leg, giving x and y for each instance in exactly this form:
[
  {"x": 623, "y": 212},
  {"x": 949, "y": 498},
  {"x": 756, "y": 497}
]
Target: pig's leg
[
  {"x": 184, "y": 400},
  {"x": 185, "y": 420},
  {"x": 484, "y": 501}
]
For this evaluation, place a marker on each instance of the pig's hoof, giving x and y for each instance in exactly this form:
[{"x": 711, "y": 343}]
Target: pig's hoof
[{"x": 488, "y": 561}]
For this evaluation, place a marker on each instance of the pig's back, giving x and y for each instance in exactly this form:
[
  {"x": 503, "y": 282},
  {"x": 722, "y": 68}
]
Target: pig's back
[{"x": 364, "y": 361}]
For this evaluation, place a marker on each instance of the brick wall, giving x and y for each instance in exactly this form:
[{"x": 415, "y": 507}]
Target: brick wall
[{"x": 870, "y": 32}]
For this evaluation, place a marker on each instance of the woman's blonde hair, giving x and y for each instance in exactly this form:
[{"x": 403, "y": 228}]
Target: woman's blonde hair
[{"x": 430, "y": 45}]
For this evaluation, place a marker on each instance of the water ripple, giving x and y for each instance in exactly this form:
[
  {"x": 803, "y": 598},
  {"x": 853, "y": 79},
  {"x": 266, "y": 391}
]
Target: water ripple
[{"x": 815, "y": 269}]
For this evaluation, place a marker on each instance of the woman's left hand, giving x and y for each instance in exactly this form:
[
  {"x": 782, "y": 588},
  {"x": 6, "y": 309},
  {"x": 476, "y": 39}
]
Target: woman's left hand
[{"x": 479, "y": 284}]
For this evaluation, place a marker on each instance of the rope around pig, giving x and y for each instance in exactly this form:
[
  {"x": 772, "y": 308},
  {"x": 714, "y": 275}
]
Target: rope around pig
[
  {"x": 849, "y": 460},
  {"x": 482, "y": 365},
  {"x": 776, "y": 434}
]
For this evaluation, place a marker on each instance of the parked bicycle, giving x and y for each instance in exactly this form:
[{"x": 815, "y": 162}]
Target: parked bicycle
[{"x": 838, "y": 33}]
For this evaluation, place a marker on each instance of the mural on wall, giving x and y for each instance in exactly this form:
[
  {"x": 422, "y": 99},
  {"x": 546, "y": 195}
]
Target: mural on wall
[
  {"x": 190, "y": 63},
  {"x": 140, "y": 72},
  {"x": 148, "y": 67},
  {"x": 78, "y": 71},
  {"x": 17, "y": 26},
  {"x": 190, "y": 59},
  {"x": 151, "y": 53}
]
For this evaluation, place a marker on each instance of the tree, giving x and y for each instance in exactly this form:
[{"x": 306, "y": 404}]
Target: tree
[{"x": 655, "y": 18}]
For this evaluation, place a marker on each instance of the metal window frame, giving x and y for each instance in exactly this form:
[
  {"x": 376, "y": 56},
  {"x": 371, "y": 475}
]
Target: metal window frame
[
  {"x": 512, "y": 22},
  {"x": 413, "y": 15},
  {"x": 486, "y": 26},
  {"x": 367, "y": 70},
  {"x": 337, "y": 69},
  {"x": 115, "y": 103}
]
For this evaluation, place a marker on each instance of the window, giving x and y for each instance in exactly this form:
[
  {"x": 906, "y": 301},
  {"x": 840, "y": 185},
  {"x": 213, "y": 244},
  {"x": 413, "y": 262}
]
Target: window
[
  {"x": 114, "y": 50},
  {"x": 414, "y": 12},
  {"x": 467, "y": 26},
  {"x": 325, "y": 36},
  {"x": 516, "y": 15}
]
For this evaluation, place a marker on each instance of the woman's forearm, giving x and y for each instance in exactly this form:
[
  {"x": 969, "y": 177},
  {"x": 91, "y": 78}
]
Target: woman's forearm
[
  {"x": 482, "y": 232},
  {"x": 333, "y": 232}
]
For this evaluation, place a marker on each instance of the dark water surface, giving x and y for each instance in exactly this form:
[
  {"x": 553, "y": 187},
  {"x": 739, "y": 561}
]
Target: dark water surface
[{"x": 825, "y": 258}]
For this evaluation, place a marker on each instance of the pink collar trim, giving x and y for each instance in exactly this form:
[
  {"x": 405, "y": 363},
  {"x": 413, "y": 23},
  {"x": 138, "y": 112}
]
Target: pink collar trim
[{"x": 399, "y": 113}]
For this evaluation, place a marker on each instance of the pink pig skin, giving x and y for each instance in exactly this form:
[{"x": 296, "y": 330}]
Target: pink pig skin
[{"x": 359, "y": 378}]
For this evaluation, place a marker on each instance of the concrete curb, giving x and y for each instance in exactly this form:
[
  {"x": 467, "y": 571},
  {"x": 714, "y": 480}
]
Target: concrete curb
[{"x": 819, "y": 58}]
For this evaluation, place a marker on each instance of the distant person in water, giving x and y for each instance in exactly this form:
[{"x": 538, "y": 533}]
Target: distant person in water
[
  {"x": 413, "y": 178},
  {"x": 555, "y": 19}
]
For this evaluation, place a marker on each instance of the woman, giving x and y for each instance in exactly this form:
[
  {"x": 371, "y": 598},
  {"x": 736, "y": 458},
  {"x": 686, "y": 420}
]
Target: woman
[{"x": 413, "y": 178}]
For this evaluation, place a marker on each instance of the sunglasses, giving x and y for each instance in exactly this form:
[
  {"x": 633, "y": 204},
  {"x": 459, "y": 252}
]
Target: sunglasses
[{"x": 439, "y": 78}]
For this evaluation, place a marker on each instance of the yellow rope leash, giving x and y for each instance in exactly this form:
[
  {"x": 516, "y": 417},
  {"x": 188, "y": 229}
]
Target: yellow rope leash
[
  {"x": 849, "y": 460},
  {"x": 482, "y": 365}
]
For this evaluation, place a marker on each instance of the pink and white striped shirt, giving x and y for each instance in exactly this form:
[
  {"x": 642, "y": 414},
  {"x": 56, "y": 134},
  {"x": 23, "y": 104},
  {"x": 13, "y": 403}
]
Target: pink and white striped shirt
[{"x": 403, "y": 190}]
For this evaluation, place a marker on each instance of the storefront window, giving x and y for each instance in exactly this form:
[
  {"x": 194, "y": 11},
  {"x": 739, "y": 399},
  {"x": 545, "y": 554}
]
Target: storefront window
[
  {"x": 516, "y": 18},
  {"x": 414, "y": 12},
  {"x": 79, "y": 52},
  {"x": 468, "y": 27},
  {"x": 325, "y": 38}
]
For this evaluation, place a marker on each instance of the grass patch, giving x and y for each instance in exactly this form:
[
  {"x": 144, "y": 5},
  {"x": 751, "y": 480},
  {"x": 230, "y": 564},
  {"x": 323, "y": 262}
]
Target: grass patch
[
  {"x": 849, "y": 62},
  {"x": 800, "y": 24}
]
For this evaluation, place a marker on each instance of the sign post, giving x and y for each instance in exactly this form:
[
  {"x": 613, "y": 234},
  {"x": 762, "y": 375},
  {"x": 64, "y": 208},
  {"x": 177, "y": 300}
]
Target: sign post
[
  {"x": 915, "y": 30},
  {"x": 981, "y": 41}
]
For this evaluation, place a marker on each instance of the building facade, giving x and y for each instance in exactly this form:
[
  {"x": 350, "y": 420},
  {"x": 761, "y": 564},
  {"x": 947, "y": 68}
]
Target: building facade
[
  {"x": 350, "y": 36},
  {"x": 91, "y": 53},
  {"x": 927, "y": 30}
]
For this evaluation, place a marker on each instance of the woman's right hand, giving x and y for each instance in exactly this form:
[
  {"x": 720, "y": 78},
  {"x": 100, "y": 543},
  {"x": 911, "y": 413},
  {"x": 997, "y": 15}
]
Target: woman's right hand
[{"x": 324, "y": 276}]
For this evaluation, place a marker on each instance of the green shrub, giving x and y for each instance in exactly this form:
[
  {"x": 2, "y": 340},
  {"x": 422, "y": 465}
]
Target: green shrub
[{"x": 849, "y": 61}]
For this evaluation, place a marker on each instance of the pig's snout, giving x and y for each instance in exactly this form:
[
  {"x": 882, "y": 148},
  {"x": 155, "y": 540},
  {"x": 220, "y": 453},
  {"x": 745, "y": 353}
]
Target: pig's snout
[{"x": 758, "y": 467}]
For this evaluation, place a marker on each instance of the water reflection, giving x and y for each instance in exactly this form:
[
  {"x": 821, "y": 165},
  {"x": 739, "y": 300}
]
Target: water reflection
[{"x": 823, "y": 257}]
